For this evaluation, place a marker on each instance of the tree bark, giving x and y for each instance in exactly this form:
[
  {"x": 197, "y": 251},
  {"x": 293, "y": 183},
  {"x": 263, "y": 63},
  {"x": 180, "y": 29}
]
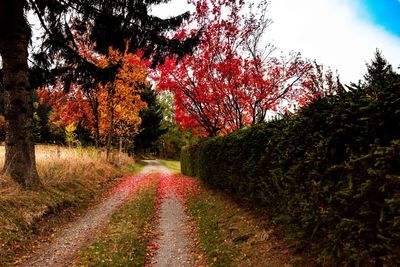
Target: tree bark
[
  {"x": 120, "y": 151},
  {"x": 110, "y": 135},
  {"x": 94, "y": 105},
  {"x": 97, "y": 129},
  {"x": 15, "y": 34}
]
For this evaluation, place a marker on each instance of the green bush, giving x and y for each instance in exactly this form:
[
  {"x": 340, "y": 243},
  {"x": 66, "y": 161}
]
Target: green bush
[
  {"x": 331, "y": 173},
  {"x": 188, "y": 154}
]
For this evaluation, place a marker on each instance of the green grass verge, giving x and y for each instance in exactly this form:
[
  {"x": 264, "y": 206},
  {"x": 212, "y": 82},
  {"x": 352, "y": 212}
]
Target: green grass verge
[
  {"x": 171, "y": 164},
  {"x": 207, "y": 212},
  {"x": 124, "y": 241},
  {"x": 231, "y": 235}
]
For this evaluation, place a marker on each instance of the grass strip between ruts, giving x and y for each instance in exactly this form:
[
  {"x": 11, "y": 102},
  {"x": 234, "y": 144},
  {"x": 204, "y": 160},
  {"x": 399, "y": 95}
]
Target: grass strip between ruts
[{"x": 125, "y": 239}]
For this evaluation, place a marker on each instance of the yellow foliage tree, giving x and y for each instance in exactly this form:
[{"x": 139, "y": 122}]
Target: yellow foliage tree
[
  {"x": 119, "y": 101},
  {"x": 70, "y": 135}
]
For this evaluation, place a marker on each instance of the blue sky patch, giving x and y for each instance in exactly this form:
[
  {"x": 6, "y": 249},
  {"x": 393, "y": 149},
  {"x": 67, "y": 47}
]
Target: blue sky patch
[{"x": 385, "y": 13}]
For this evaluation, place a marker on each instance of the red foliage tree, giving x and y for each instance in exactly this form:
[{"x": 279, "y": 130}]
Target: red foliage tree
[
  {"x": 231, "y": 80},
  {"x": 109, "y": 110}
]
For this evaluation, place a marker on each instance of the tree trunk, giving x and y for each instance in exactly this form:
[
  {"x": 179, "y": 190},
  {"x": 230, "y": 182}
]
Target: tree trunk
[
  {"x": 94, "y": 105},
  {"x": 120, "y": 151},
  {"x": 110, "y": 135},
  {"x": 20, "y": 161},
  {"x": 97, "y": 132}
]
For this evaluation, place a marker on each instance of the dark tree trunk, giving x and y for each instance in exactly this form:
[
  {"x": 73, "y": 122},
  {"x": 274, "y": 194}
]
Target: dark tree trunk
[
  {"x": 110, "y": 135},
  {"x": 97, "y": 129},
  {"x": 120, "y": 150},
  {"x": 94, "y": 105},
  {"x": 15, "y": 33}
]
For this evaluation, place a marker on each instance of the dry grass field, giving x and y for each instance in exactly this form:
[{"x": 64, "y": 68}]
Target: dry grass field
[
  {"x": 57, "y": 165},
  {"x": 70, "y": 177}
]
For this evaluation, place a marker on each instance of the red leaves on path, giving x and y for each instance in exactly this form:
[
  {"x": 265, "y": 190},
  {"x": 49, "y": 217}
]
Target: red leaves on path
[{"x": 181, "y": 185}]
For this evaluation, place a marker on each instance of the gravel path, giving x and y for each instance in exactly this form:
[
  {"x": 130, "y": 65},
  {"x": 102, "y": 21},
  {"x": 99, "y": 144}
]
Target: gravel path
[
  {"x": 174, "y": 244},
  {"x": 62, "y": 250}
]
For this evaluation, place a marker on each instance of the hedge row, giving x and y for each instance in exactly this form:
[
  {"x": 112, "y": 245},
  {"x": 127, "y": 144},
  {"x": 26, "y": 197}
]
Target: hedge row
[{"x": 331, "y": 174}]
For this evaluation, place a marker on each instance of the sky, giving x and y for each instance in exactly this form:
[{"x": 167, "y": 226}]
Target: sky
[
  {"x": 385, "y": 13},
  {"x": 341, "y": 34}
]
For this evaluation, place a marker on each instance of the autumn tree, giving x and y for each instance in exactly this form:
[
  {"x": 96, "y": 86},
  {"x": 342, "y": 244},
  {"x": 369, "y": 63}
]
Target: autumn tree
[
  {"x": 109, "y": 111},
  {"x": 67, "y": 108},
  {"x": 119, "y": 100},
  {"x": 112, "y": 23},
  {"x": 232, "y": 80}
]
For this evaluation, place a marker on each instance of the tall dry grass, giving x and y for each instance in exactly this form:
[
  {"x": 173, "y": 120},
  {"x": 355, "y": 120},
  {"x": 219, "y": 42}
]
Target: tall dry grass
[
  {"x": 56, "y": 164},
  {"x": 70, "y": 177}
]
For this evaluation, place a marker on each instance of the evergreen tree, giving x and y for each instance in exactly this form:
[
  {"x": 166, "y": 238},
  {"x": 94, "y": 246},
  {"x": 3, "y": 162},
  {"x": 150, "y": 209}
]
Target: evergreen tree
[
  {"x": 150, "y": 128},
  {"x": 108, "y": 23},
  {"x": 380, "y": 73},
  {"x": 382, "y": 86}
]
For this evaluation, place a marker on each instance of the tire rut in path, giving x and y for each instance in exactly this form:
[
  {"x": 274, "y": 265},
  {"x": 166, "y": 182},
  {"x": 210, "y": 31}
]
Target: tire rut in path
[
  {"x": 64, "y": 248},
  {"x": 174, "y": 243}
]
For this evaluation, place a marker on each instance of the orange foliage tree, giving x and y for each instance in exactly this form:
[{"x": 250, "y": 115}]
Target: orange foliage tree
[
  {"x": 119, "y": 101},
  {"x": 109, "y": 111}
]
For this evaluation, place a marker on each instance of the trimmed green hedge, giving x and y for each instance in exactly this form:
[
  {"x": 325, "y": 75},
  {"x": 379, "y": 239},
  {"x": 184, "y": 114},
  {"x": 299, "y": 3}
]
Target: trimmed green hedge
[{"x": 331, "y": 174}]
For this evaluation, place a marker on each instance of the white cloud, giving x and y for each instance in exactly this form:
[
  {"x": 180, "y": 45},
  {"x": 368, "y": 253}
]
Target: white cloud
[
  {"x": 172, "y": 8},
  {"x": 337, "y": 33}
]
